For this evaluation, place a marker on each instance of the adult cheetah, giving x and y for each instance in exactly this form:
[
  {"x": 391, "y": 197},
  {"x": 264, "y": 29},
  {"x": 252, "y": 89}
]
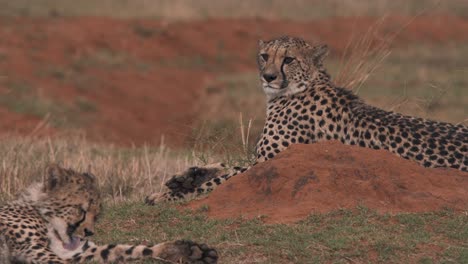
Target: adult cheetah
[
  {"x": 304, "y": 106},
  {"x": 50, "y": 221}
]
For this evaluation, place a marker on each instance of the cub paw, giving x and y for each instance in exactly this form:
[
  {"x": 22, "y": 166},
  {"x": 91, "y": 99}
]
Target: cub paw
[{"x": 186, "y": 251}]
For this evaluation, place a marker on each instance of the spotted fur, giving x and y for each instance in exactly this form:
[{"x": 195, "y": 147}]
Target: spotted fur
[
  {"x": 304, "y": 106},
  {"x": 50, "y": 223}
]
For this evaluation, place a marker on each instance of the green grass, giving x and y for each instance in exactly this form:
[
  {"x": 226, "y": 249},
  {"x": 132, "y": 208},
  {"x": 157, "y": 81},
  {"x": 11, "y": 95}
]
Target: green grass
[
  {"x": 218, "y": 63},
  {"x": 147, "y": 31},
  {"x": 3, "y": 56},
  {"x": 102, "y": 59},
  {"x": 85, "y": 105},
  {"x": 184, "y": 62},
  {"x": 23, "y": 98},
  {"x": 343, "y": 236}
]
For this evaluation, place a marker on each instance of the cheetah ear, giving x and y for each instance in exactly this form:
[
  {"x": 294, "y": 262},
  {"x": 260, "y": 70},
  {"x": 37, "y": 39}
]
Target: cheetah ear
[
  {"x": 317, "y": 54},
  {"x": 56, "y": 176}
]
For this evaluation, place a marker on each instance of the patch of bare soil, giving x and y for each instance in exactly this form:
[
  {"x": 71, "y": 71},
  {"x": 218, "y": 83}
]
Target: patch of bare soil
[
  {"x": 137, "y": 80},
  {"x": 327, "y": 176}
]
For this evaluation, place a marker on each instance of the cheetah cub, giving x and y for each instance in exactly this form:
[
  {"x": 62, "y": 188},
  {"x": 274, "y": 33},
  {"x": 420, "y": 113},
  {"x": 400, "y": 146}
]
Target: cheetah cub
[
  {"x": 51, "y": 223},
  {"x": 304, "y": 106}
]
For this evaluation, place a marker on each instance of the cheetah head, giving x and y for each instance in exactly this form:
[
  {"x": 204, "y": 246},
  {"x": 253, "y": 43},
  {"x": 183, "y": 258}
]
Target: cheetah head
[
  {"x": 288, "y": 64},
  {"x": 71, "y": 203}
]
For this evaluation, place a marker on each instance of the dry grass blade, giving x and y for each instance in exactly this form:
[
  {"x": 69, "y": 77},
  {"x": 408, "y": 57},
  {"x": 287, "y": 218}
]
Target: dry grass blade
[
  {"x": 362, "y": 56},
  {"x": 463, "y": 122},
  {"x": 365, "y": 53},
  {"x": 124, "y": 174},
  {"x": 245, "y": 134}
]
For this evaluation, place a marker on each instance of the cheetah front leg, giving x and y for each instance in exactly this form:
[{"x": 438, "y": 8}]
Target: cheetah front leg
[
  {"x": 194, "y": 182},
  {"x": 182, "y": 251}
]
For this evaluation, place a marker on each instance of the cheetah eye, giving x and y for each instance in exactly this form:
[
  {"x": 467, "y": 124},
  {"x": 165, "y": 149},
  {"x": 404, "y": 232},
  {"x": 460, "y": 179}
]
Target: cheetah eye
[
  {"x": 264, "y": 56},
  {"x": 288, "y": 60}
]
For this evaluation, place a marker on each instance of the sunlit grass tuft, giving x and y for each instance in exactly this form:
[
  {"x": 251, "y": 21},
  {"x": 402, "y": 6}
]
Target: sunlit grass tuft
[{"x": 123, "y": 173}]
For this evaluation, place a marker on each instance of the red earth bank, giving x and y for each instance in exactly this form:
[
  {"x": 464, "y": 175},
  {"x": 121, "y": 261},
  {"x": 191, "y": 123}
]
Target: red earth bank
[
  {"x": 145, "y": 77},
  {"x": 328, "y": 176}
]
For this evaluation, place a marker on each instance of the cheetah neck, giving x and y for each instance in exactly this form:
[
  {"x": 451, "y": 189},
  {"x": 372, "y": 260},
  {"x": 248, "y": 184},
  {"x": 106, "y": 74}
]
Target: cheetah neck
[{"x": 320, "y": 77}]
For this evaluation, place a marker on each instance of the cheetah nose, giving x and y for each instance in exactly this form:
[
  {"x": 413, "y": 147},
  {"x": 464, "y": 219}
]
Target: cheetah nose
[
  {"x": 269, "y": 77},
  {"x": 88, "y": 232}
]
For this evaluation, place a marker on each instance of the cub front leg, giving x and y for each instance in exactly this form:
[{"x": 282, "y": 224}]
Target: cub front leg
[
  {"x": 37, "y": 254},
  {"x": 181, "y": 251}
]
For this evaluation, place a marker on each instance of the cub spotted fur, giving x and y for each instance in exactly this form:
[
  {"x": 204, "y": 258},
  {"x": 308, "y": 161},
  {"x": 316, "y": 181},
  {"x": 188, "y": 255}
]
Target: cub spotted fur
[{"x": 50, "y": 223}]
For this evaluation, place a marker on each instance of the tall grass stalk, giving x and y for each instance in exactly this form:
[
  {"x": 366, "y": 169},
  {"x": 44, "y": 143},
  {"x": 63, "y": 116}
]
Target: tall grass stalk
[
  {"x": 123, "y": 174},
  {"x": 365, "y": 53}
]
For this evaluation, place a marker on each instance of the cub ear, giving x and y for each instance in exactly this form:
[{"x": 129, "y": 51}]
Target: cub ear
[
  {"x": 56, "y": 176},
  {"x": 261, "y": 43},
  {"x": 90, "y": 176},
  {"x": 317, "y": 54}
]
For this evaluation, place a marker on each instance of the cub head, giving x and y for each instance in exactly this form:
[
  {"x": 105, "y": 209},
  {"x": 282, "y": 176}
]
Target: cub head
[
  {"x": 288, "y": 64},
  {"x": 72, "y": 202}
]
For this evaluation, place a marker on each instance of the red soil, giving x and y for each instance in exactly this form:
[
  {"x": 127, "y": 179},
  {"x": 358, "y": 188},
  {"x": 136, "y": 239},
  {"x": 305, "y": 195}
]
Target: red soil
[
  {"x": 144, "y": 90},
  {"x": 20, "y": 124},
  {"x": 328, "y": 176}
]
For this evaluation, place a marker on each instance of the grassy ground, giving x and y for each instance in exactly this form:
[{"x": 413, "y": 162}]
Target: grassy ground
[
  {"x": 126, "y": 175},
  {"x": 343, "y": 236}
]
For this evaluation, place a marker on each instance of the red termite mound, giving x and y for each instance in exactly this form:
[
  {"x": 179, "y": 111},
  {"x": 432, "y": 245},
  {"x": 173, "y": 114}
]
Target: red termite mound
[{"x": 327, "y": 176}]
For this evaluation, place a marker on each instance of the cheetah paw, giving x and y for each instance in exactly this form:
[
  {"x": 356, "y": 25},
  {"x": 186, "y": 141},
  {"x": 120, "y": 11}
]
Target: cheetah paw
[
  {"x": 185, "y": 183},
  {"x": 191, "y": 179}
]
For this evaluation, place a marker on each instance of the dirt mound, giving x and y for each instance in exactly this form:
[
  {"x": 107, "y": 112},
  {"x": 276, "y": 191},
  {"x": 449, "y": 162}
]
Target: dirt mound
[
  {"x": 328, "y": 176},
  {"x": 132, "y": 81}
]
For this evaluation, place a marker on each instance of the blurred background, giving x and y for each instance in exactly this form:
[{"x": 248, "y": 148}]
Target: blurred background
[
  {"x": 144, "y": 76},
  {"x": 137, "y": 71}
]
